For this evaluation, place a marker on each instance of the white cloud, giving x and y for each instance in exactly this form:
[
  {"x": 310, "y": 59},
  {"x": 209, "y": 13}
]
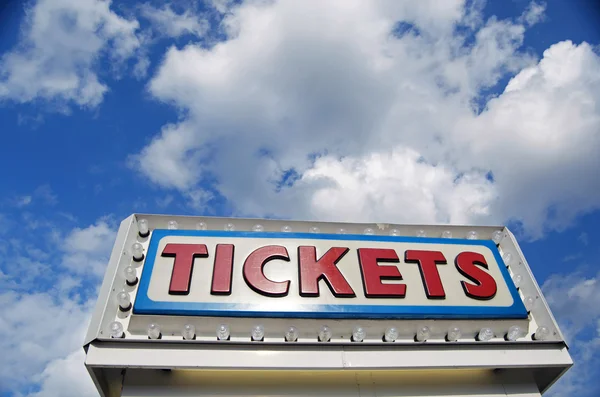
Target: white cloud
[
  {"x": 221, "y": 6},
  {"x": 540, "y": 139},
  {"x": 86, "y": 251},
  {"x": 172, "y": 24},
  {"x": 23, "y": 201},
  {"x": 293, "y": 81},
  {"x": 179, "y": 166},
  {"x": 575, "y": 302},
  {"x": 66, "y": 377},
  {"x": 59, "y": 49},
  {"x": 384, "y": 185},
  {"x": 534, "y": 13},
  {"x": 45, "y": 310},
  {"x": 37, "y": 328}
]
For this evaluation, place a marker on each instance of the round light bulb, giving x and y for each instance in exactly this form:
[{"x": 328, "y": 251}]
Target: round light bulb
[
  {"x": 143, "y": 229},
  {"x": 369, "y": 231},
  {"x": 341, "y": 230},
  {"x": 514, "y": 333},
  {"x": 497, "y": 236},
  {"x": 391, "y": 334},
  {"x": 188, "y": 332},
  {"x": 394, "y": 232},
  {"x": 541, "y": 333},
  {"x": 472, "y": 235},
  {"x": 258, "y": 333},
  {"x": 115, "y": 330},
  {"x": 423, "y": 333},
  {"x": 517, "y": 280},
  {"x": 325, "y": 334},
  {"x": 507, "y": 258},
  {"x": 230, "y": 227},
  {"x": 124, "y": 301},
  {"x": 453, "y": 334},
  {"x": 529, "y": 303},
  {"x": 153, "y": 331},
  {"x": 291, "y": 335},
  {"x": 421, "y": 233},
  {"x": 223, "y": 332},
  {"x": 201, "y": 226},
  {"x": 286, "y": 229},
  {"x": 172, "y": 225},
  {"x": 358, "y": 334},
  {"x": 446, "y": 234},
  {"x": 485, "y": 334},
  {"x": 130, "y": 275},
  {"x": 258, "y": 228},
  {"x": 314, "y": 229},
  {"x": 137, "y": 251}
]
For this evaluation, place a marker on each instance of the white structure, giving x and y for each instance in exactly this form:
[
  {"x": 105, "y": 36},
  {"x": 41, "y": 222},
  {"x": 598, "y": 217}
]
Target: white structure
[{"x": 245, "y": 307}]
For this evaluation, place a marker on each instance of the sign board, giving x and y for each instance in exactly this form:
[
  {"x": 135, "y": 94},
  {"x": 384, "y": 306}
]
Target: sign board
[
  {"x": 224, "y": 296},
  {"x": 308, "y": 275}
]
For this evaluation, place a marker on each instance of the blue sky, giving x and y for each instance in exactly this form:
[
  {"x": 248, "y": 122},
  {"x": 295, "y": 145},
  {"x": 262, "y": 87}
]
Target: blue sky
[{"x": 423, "y": 112}]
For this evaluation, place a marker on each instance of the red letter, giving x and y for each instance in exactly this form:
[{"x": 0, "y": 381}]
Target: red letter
[
  {"x": 428, "y": 261},
  {"x": 372, "y": 273},
  {"x": 311, "y": 271},
  {"x": 485, "y": 286},
  {"x": 184, "y": 255},
  {"x": 221, "y": 281},
  {"x": 255, "y": 277}
]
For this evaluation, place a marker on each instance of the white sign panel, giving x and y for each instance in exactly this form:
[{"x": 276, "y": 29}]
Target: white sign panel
[{"x": 304, "y": 275}]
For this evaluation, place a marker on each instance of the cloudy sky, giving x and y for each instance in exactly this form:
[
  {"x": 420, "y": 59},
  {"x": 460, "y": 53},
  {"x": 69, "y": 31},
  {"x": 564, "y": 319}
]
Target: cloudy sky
[{"x": 440, "y": 111}]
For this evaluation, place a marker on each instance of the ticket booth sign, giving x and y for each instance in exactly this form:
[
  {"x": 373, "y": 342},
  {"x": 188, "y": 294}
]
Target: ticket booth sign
[{"x": 306, "y": 275}]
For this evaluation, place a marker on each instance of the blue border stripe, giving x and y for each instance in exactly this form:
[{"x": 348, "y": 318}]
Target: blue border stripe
[{"x": 144, "y": 305}]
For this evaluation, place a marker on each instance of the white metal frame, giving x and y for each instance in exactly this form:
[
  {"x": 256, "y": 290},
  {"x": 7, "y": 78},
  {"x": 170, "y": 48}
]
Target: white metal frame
[{"x": 107, "y": 359}]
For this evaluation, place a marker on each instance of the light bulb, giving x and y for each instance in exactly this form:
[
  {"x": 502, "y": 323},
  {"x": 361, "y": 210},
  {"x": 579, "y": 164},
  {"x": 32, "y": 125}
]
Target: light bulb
[
  {"x": 421, "y": 233},
  {"x": 541, "y": 333},
  {"x": 423, "y": 334},
  {"x": 529, "y": 303},
  {"x": 258, "y": 333},
  {"x": 453, "y": 334},
  {"x": 130, "y": 275},
  {"x": 286, "y": 229},
  {"x": 153, "y": 331},
  {"x": 394, "y": 232},
  {"x": 188, "y": 332},
  {"x": 115, "y": 330},
  {"x": 472, "y": 235},
  {"x": 325, "y": 334},
  {"x": 341, "y": 230},
  {"x": 291, "y": 335},
  {"x": 514, "y": 333},
  {"x": 358, "y": 334},
  {"x": 485, "y": 334},
  {"x": 258, "y": 228},
  {"x": 446, "y": 234},
  {"x": 497, "y": 236},
  {"x": 143, "y": 229},
  {"x": 172, "y": 225},
  {"x": 124, "y": 301},
  {"x": 230, "y": 227},
  {"x": 517, "y": 279},
  {"x": 391, "y": 334},
  {"x": 201, "y": 226},
  {"x": 223, "y": 332},
  {"x": 369, "y": 232},
  {"x": 314, "y": 229},
  {"x": 507, "y": 258},
  {"x": 137, "y": 251}
]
